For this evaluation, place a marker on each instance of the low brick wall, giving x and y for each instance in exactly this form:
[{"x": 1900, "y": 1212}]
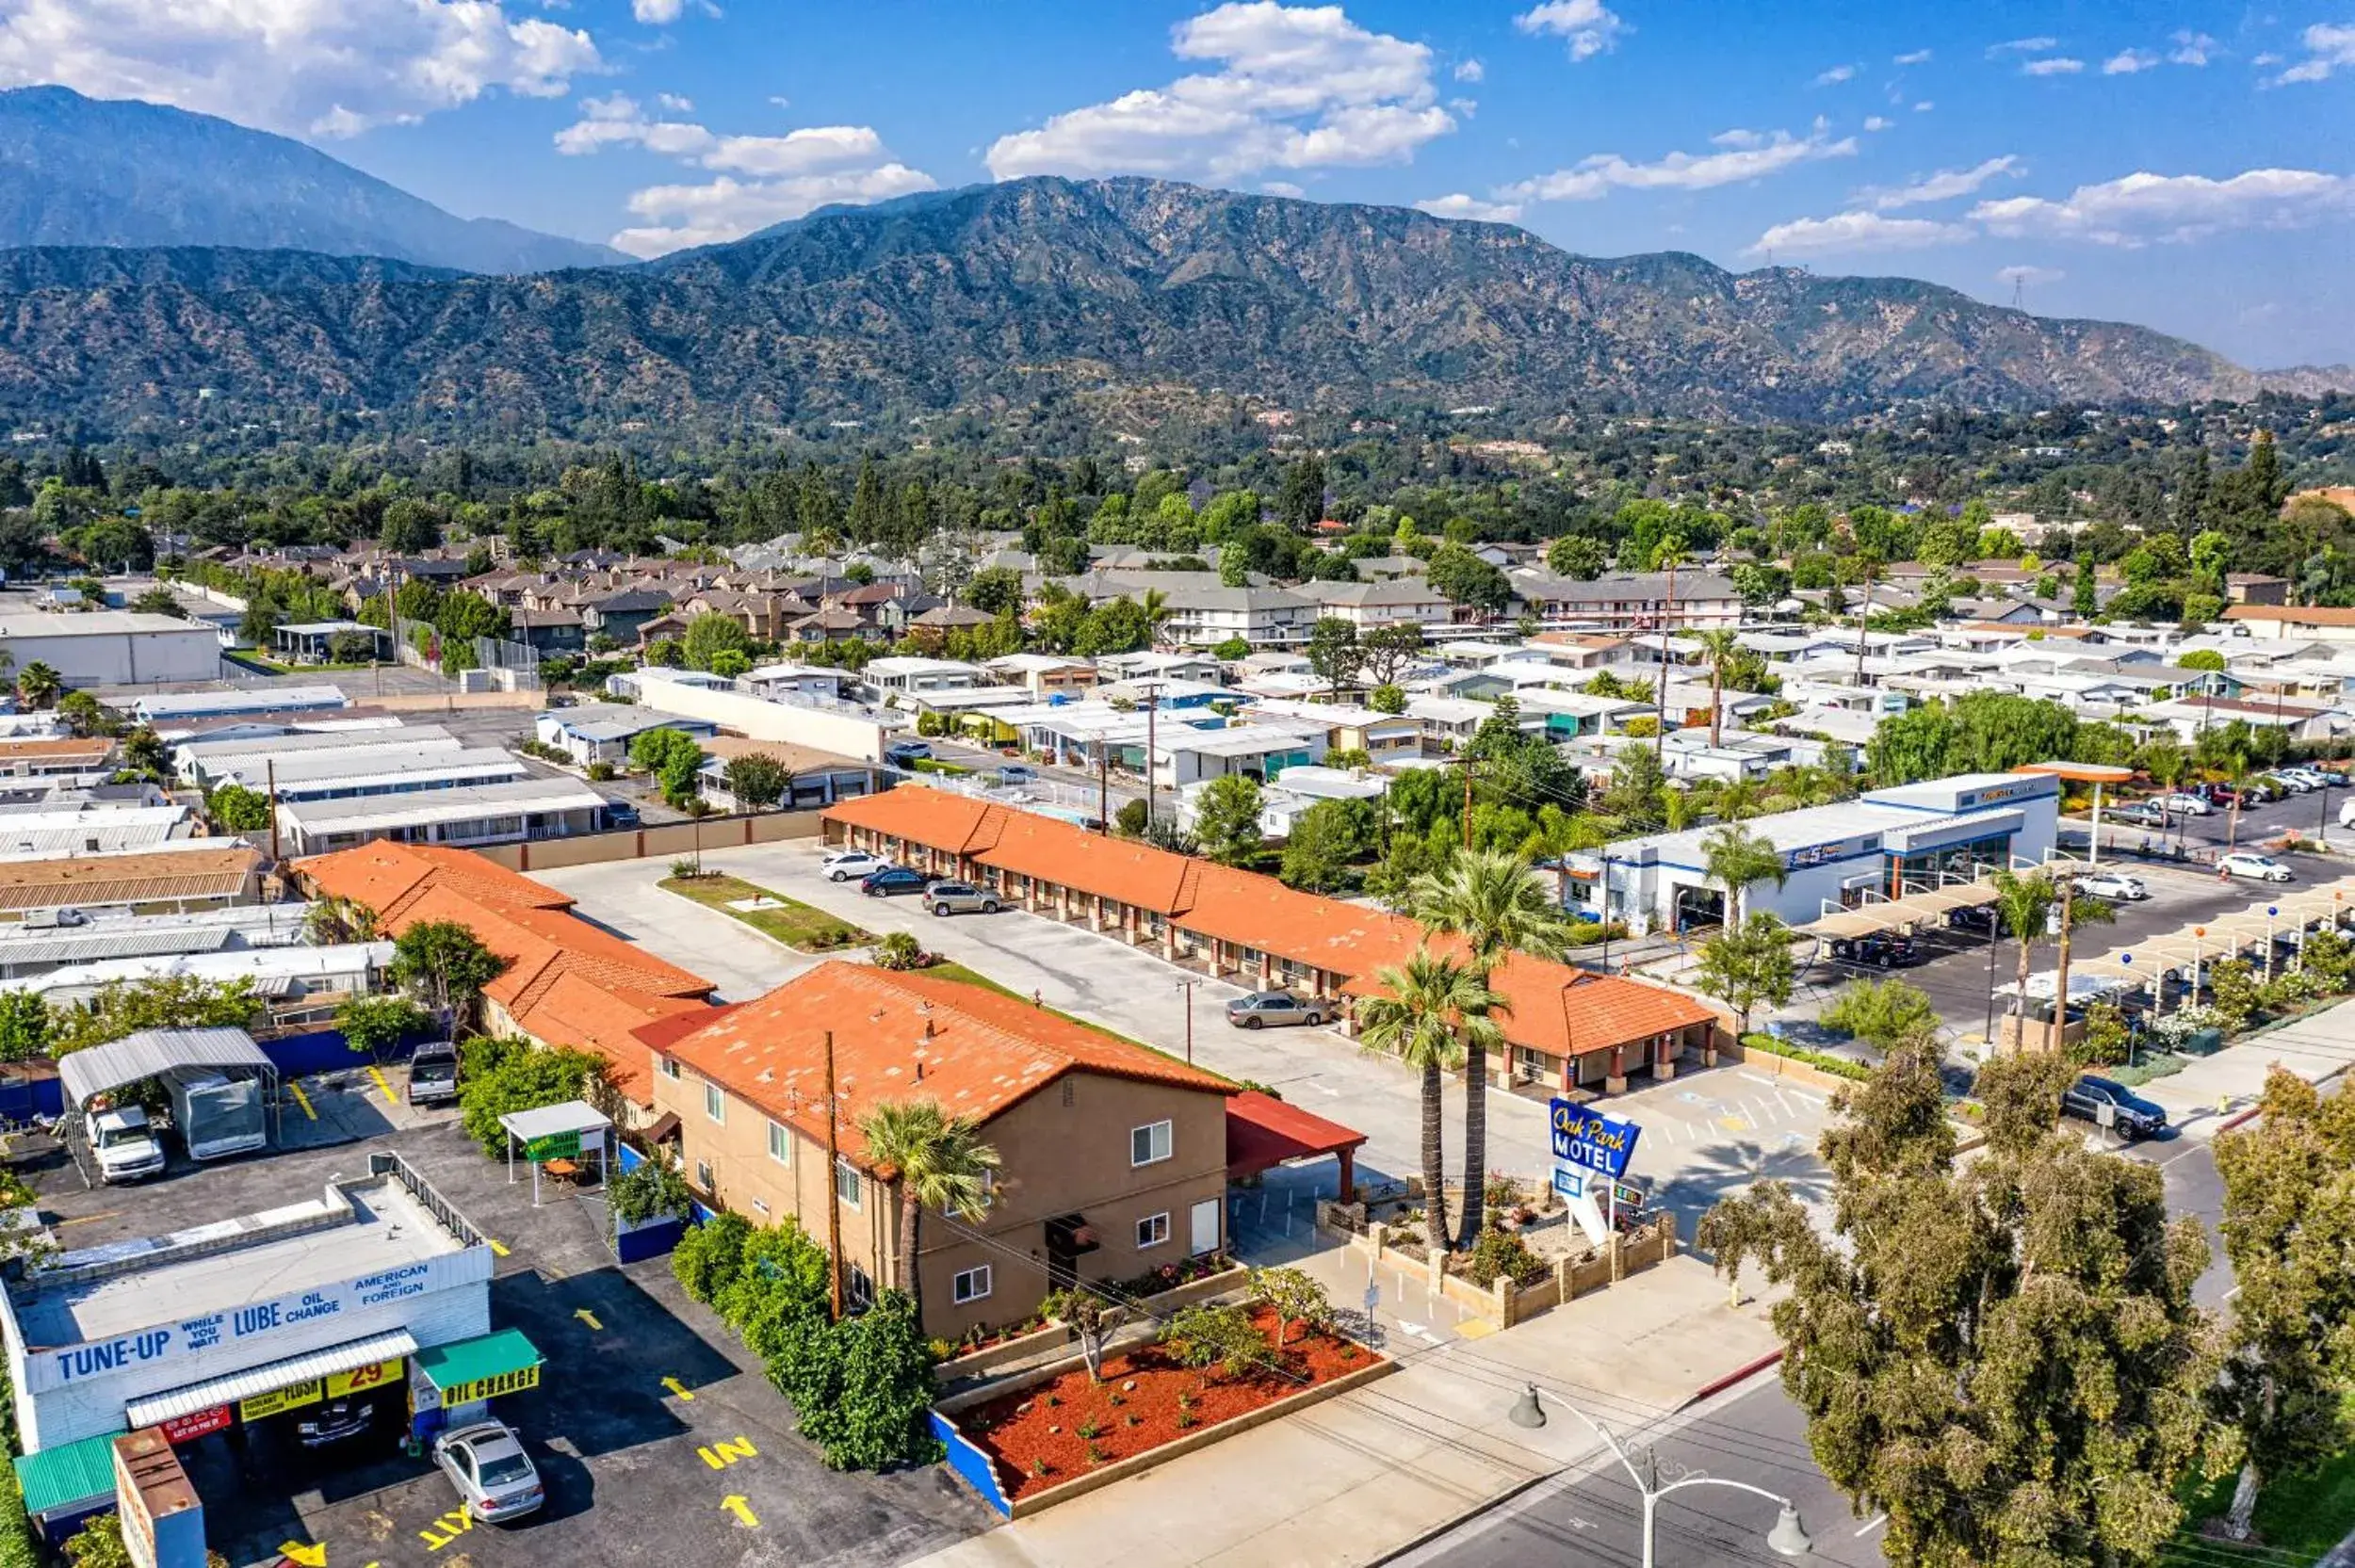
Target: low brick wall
[
  {"x": 1782, "y": 1067},
  {"x": 713, "y": 834}
]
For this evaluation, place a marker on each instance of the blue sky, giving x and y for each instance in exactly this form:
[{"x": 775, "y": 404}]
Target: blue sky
[{"x": 2186, "y": 166}]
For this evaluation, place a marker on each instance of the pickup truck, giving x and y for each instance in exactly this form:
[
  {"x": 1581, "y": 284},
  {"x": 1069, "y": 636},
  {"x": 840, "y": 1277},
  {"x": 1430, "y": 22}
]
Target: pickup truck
[
  {"x": 125, "y": 1145},
  {"x": 434, "y": 1074}
]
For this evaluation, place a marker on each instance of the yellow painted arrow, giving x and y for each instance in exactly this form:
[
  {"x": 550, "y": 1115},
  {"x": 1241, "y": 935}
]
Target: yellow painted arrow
[
  {"x": 310, "y": 1556},
  {"x": 678, "y": 1388},
  {"x": 735, "y": 1504},
  {"x": 587, "y": 1317}
]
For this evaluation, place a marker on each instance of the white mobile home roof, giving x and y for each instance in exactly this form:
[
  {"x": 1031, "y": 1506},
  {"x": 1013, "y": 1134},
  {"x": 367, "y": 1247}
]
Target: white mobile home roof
[
  {"x": 323, "y": 772},
  {"x": 274, "y": 698},
  {"x": 317, "y": 820}
]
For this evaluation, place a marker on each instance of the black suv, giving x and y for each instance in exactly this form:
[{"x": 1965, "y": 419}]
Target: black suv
[
  {"x": 2135, "y": 1116},
  {"x": 1882, "y": 950}
]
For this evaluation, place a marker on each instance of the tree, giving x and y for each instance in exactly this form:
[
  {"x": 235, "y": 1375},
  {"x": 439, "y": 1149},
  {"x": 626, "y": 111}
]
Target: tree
[
  {"x": 335, "y": 920},
  {"x": 995, "y": 590},
  {"x": 1461, "y": 578},
  {"x": 23, "y": 1025},
  {"x": 2289, "y": 1227},
  {"x": 935, "y": 1162},
  {"x": 238, "y": 810},
  {"x": 1744, "y": 966},
  {"x": 38, "y": 685},
  {"x": 1888, "y": 1015},
  {"x": 158, "y": 600},
  {"x": 674, "y": 760},
  {"x": 373, "y": 1024},
  {"x": 862, "y": 1387},
  {"x": 1389, "y": 652},
  {"x": 2201, "y": 658},
  {"x": 1733, "y": 857},
  {"x": 1227, "y": 819},
  {"x": 1577, "y": 557},
  {"x": 711, "y": 635},
  {"x": 1416, "y": 1017},
  {"x": 1498, "y": 905},
  {"x": 1334, "y": 653},
  {"x": 1326, "y": 840},
  {"x": 444, "y": 965},
  {"x": 756, "y": 780},
  {"x": 2004, "y": 1360},
  {"x": 1386, "y": 698},
  {"x": 2024, "y": 903},
  {"x": 2085, "y": 602},
  {"x": 1633, "y": 794},
  {"x": 122, "y": 1008},
  {"x": 1909, "y": 747},
  {"x": 502, "y": 1074},
  {"x": 1296, "y": 1296},
  {"x": 1211, "y": 1334},
  {"x": 1723, "y": 650}
]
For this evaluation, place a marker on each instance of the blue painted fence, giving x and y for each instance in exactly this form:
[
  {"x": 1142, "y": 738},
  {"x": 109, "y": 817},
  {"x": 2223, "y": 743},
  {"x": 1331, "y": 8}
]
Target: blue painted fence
[
  {"x": 326, "y": 1051},
  {"x": 970, "y": 1462}
]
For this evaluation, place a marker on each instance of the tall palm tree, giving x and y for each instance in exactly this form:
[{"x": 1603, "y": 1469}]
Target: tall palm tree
[
  {"x": 336, "y": 921},
  {"x": 1431, "y": 1007},
  {"x": 1156, "y": 606},
  {"x": 38, "y": 685},
  {"x": 1721, "y": 646},
  {"x": 2025, "y": 903},
  {"x": 1496, "y": 903},
  {"x": 1735, "y": 857},
  {"x": 939, "y": 1162},
  {"x": 1738, "y": 798}
]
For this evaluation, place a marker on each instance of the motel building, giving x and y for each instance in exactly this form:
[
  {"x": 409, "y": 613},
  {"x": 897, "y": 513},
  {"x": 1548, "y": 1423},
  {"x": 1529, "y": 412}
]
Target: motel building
[{"x": 146, "y": 1370}]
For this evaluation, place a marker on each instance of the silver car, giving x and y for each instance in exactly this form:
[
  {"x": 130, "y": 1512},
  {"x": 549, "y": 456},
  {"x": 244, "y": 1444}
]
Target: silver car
[
  {"x": 1264, "y": 1007},
  {"x": 496, "y": 1480},
  {"x": 946, "y": 897}
]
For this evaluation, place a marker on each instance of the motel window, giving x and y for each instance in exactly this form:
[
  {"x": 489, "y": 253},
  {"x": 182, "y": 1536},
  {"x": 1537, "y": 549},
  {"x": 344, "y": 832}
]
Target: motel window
[
  {"x": 846, "y": 1183},
  {"x": 702, "y": 1174},
  {"x": 668, "y": 1065},
  {"x": 1152, "y": 1230},
  {"x": 780, "y": 1144},
  {"x": 1149, "y": 1145},
  {"x": 970, "y": 1284},
  {"x": 862, "y": 1288},
  {"x": 715, "y": 1103}
]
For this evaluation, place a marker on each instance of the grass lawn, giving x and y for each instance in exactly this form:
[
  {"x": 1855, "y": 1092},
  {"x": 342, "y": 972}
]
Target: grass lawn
[
  {"x": 797, "y": 925},
  {"x": 2299, "y": 1517}
]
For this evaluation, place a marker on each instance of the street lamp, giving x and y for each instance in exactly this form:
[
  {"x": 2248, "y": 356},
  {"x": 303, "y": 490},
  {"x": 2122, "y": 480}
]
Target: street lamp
[{"x": 1789, "y": 1537}]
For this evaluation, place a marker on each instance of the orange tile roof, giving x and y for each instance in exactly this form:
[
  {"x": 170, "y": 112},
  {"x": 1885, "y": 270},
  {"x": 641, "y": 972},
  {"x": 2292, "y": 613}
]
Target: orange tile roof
[
  {"x": 583, "y": 1015},
  {"x": 97, "y": 747},
  {"x": 956, "y": 823},
  {"x": 898, "y": 1037},
  {"x": 385, "y": 875}
]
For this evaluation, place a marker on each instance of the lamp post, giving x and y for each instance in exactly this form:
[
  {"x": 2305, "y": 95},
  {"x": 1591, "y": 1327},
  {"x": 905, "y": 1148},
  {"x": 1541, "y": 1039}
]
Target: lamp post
[
  {"x": 1187, "y": 984},
  {"x": 1788, "y": 1538}
]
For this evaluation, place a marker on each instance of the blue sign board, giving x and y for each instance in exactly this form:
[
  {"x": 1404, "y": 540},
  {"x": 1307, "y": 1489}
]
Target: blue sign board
[
  {"x": 1569, "y": 1181},
  {"x": 1590, "y": 1138}
]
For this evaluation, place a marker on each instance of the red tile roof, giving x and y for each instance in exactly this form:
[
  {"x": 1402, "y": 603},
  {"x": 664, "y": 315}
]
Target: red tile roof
[
  {"x": 1263, "y": 1132},
  {"x": 902, "y": 1036}
]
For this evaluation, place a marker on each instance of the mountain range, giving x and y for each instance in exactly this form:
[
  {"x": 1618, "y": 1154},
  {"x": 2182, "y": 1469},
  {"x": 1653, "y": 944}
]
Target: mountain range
[
  {"x": 76, "y": 171},
  {"x": 1015, "y": 293}
]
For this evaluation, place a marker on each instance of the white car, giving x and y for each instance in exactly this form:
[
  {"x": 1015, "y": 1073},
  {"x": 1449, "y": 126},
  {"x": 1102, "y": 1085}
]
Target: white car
[
  {"x": 123, "y": 1142},
  {"x": 2262, "y": 868},
  {"x": 848, "y": 865},
  {"x": 2112, "y": 884},
  {"x": 2185, "y": 805},
  {"x": 496, "y": 1480},
  {"x": 2291, "y": 781},
  {"x": 2311, "y": 777},
  {"x": 2346, "y": 814}
]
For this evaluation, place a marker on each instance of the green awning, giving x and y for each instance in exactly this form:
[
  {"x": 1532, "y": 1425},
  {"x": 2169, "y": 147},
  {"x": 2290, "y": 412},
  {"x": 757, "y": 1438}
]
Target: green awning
[
  {"x": 469, "y": 1362},
  {"x": 76, "y": 1473}
]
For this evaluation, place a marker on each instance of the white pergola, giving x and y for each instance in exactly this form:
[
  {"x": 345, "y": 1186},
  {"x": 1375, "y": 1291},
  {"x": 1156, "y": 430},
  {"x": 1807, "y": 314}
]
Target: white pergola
[{"x": 567, "y": 1130}]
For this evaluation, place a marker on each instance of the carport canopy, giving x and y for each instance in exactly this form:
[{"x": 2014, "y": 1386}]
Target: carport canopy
[
  {"x": 1889, "y": 914},
  {"x": 1263, "y": 1132},
  {"x": 232, "y": 1386},
  {"x": 565, "y": 1130},
  {"x": 150, "y": 1052},
  {"x": 2218, "y": 936},
  {"x": 68, "y": 1477}
]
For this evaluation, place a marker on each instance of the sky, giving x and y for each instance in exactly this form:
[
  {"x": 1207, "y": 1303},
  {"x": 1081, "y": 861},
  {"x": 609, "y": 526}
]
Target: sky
[{"x": 2186, "y": 167}]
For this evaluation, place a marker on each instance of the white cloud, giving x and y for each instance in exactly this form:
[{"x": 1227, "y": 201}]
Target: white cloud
[
  {"x": 2144, "y": 208},
  {"x": 1857, "y": 231},
  {"x": 2127, "y": 61},
  {"x": 1737, "y": 138},
  {"x": 1297, "y": 88},
  {"x": 1591, "y": 27},
  {"x": 1945, "y": 184},
  {"x": 308, "y": 67},
  {"x": 2029, "y": 276},
  {"x": 1471, "y": 71},
  {"x": 674, "y": 102},
  {"x": 1918, "y": 56},
  {"x": 657, "y": 13},
  {"x": 1834, "y": 77},
  {"x": 1281, "y": 187},
  {"x": 1461, "y": 205},
  {"x": 2191, "y": 48},
  {"x": 2330, "y": 47},
  {"x": 1874, "y": 123},
  {"x": 728, "y": 209},
  {"x": 1925, "y": 106},
  {"x": 2060, "y": 65},
  {"x": 1599, "y": 175},
  {"x": 2023, "y": 46}
]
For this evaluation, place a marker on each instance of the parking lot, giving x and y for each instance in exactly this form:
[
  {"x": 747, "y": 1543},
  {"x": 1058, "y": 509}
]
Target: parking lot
[{"x": 648, "y": 1420}]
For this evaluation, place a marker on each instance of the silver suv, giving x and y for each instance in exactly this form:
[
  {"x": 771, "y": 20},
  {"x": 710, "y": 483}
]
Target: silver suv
[
  {"x": 1263, "y": 1008},
  {"x": 959, "y": 899}
]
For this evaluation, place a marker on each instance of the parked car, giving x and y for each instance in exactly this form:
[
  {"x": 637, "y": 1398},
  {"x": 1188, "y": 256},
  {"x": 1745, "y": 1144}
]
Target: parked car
[
  {"x": 891, "y": 880},
  {"x": 1972, "y": 917},
  {"x": 2346, "y": 814},
  {"x": 2140, "y": 813},
  {"x": 620, "y": 813},
  {"x": 1882, "y": 950},
  {"x": 946, "y": 897},
  {"x": 335, "y": 1421},
  {"x": 2113, "y": 884},
  {"x": 434, "y": 1074},
  {"x": 906, "y": 753},
  {"x": 2247, "y": 863},
  {"x": 1263, "y": 1008},
  {"x": 2134, "y": 1117},
  {"x": 1017, "y": 773},
  {"x": 495, "y": 1477},
  {"x": 2290, "y": 782},
  {"x": 125, "y": 1144},
  {"x": 843, "y": 865},
  {"x": 2180, "y": 804}
]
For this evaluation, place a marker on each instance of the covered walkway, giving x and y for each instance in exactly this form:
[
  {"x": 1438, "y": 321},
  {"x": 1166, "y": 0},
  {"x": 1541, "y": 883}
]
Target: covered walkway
[
  {"x": 1262, "y": 1132},
  {"x": 2181, "y": 955}
]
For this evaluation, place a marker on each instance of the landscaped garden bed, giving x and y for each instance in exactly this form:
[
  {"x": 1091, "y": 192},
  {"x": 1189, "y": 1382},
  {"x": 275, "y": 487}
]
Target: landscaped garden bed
[
  {"x": 801, "y": 927},
  {"x": 1056, "y": 1431}
]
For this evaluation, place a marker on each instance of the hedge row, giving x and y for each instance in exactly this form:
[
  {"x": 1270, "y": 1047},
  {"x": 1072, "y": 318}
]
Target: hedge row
[{"x": 1841, "y": 1066}]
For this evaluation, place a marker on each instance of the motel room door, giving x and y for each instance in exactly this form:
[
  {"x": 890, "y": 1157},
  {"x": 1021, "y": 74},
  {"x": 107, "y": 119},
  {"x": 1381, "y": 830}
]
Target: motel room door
[{"x": 1204, "y": 1225}]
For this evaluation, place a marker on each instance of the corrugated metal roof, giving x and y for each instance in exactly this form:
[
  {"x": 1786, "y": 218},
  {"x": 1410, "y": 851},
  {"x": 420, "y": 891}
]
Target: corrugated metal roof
[
  {"x": 473, "y": 1360},
  {"x": 152, "y": 1051},
  {"x": 93, "y": 946},
  {"x": 74, "y": 1473},
  {"x": 346, "y": 1357}
]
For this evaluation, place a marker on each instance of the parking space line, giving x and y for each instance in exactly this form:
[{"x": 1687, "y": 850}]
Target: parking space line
[
  {"x": 301, "y": 1099},
  {"x": 384, "y": 1084},
  {"x": 498, "y": 1248}
]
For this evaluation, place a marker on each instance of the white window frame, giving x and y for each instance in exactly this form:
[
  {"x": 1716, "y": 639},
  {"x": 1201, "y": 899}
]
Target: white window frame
[
  {"x": 1153, "y": 1231},
  {"x": 1162, "y": 1134},
  {"x": 857, "y": 1195},
  {"x": 962, "y": 1284},
  {"x": 781, "y": 1144},
  {"x": 704, "y": 1178},
  {"x": 860, "y": 1288},
  {"x": 715, "y": 1103},
  {"x": 668, "y": 1067}
]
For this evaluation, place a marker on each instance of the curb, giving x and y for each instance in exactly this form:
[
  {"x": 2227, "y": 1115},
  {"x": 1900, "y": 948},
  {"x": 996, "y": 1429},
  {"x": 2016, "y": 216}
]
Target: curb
[
  {"x": 1477, "y": 1510},
  {"x": 1741, "y": 1374}
]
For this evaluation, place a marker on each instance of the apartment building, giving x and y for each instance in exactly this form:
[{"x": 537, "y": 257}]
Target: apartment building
[{"x": 1263, "y": 617}]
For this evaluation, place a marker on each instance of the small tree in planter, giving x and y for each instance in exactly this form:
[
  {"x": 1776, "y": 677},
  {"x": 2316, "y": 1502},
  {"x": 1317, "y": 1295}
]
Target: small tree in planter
[
  {"x": 1296, "y": 1296},
  {"x": 1221, "y": 1337},
  {"x": 1092, "y": 1319},
  {"x": 653, "y": 1190}
]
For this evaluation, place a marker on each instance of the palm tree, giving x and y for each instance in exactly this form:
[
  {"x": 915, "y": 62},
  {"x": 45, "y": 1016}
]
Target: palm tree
[
  {"x": 939, "y": 1162},
  {"x": 2025, "y": 904},
  {"x": 1722, "y": 647},
  {"x": 1733, "y": 857},
  {"x": 38, "y": 685},
  {"x": 1428, "y": 1002},
  {"x": 1156, "y": 606},
  {"x": 1496, "y": 903},
  {"x": 1738, "y": 798},
  {"x": 1669, "y": 555}
]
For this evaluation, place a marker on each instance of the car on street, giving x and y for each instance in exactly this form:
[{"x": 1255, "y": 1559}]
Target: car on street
[
  {"x": 2113, "y": 884},
  {"x": 496, "y": 1480},
  {"x": 906, "y": 753},
  {"x": 843, "y": 865},
  {"x": 2180, "y": 804},
  {"x": 1017, "y": 773},
  {"x": 1264, "y": 1009},
  {"x": 334, "y": 1422},
  {"x": 2247, "y": 863},
  {"x": 1882, "y": 950},
  {"x": 891, "y": 880},
  {"x": 947, "y": 897},
  {"x": 2133, "y": 1115}
]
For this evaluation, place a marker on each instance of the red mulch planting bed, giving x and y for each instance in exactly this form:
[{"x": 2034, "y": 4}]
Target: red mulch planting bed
[{"x": 1014, "y": 1431}]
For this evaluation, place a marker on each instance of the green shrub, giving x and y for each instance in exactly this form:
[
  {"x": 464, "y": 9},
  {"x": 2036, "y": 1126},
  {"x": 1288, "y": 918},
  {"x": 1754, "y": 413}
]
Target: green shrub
[
  {"x": 1502, "y": 1254},
  {"x": 523, "y": 1078},
  {"x": 375, "y": 1023},
  {"x": 1221, "y": 1337},
  {"x": 99, "y": 1545},
  {"x": 899, "y": 950},
  {"x": 709, "y": 1257},
  {"x": 1840, "y": 1066},
  {"x": 862, "y": 1387},
  {"x": 600, "y": 772},
  {"x": 654, "y": 1189}
]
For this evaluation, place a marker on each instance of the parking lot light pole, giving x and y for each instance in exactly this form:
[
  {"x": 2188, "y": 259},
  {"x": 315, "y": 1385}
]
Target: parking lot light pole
[{"x": 1187, "y": 985}]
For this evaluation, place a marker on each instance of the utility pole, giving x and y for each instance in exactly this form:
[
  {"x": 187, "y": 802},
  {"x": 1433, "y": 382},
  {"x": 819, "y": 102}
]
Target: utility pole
[
  {"x": 834, "y": 1196},
  {"x": 1187, "y": 985},
  {"x": 1152, "y": 690},
  {"x": 269, "y": 775},
  {"x": 1103, "y": 789},
  {"x": 2060, "y": 970}
]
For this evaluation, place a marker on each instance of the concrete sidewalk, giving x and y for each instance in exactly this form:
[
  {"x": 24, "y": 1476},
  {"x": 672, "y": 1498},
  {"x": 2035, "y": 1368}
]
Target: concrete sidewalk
[
  {"x": 1374, "y": 1471},
  {"x": 2212, "y": 1090}
]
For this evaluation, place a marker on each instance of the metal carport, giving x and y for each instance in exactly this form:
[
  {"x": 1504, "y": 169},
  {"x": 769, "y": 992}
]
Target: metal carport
[{"x": 153, "y": 1052}]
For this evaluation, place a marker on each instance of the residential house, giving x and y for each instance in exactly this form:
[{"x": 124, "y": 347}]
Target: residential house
[
  {"x": 602, "y": 731},
  {"x": 2310, "y": 622},
  {"x": 1371, "y": 605},
  {"x": 1263, "y": 617},
  {"x": 548, "y": 630},
  {"x": 622, "y": 616},
  {"x": 1045, "y": 675},
  {"x": 1650, "y": 601}
]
